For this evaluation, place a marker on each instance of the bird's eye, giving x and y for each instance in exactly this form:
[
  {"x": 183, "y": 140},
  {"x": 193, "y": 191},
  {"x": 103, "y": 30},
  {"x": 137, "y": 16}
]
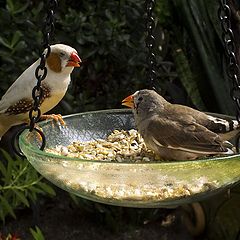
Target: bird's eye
[
  {"x": 62, "y": 54},
  {"x": 140, "y": 99}
]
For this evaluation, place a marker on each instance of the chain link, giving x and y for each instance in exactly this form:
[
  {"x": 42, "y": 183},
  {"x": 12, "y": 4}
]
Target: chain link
[
  {"x": 150, "y": 43},
  {"x": 233, "y": 71}
]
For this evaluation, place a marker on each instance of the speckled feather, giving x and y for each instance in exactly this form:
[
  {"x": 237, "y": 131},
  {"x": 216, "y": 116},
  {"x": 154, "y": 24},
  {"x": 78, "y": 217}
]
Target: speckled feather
[{"x": 24, "y": 105}]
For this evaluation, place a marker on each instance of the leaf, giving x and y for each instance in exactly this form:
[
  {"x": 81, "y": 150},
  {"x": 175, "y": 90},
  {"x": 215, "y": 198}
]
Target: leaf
[
  {"x": 75, "y": 198},
  {"x": 21, "y": 8},
  {"x": 37, "y": 234},
  {"x": 2, "y": 215},
  {"x": 7, "y": 156},
  {"x": 8, "y": 178},
  {"x": 5, "y": 43},
  {"x": 108, "y": 14},
  {"x": 21, "y": 197},
  {"x": 3, "y": 169},
  {"x": 35, "y": 189},
  {"x": 47, "y": 188},
  {"x": 36, "y": 11},
  {"x": 10, "y": 6},
  {"x": 187, "y": 78},
  {"x": 16, "y": 37},
  {"x": 194, "y": 17},
  {"x": 6, "y": 205}
]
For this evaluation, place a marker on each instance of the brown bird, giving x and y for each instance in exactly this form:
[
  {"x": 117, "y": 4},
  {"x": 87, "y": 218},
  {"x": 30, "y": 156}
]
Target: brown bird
[
  {"x": 17, "y": 101},
  {"x": 177, "y": 132}
]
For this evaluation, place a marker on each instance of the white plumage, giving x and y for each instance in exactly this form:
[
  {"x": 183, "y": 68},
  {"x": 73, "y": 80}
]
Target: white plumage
[{"x": 17, "y": 101}]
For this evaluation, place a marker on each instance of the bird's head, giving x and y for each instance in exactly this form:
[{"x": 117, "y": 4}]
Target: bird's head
[
  {"x": 144, "y": 102},
  {"x": 63, "y": 58}
]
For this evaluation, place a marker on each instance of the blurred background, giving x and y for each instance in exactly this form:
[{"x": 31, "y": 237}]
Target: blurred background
[{"x": 110, "y": 39}]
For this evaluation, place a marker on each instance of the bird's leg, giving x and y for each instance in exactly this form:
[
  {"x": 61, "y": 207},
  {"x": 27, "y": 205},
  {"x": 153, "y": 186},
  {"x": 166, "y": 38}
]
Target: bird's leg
[{"x": 55, "y": 117}]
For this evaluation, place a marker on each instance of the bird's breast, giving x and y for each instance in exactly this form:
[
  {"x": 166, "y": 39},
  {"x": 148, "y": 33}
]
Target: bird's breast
[
  {"x": 57, "y": 87},
  {"x": 51, "y": 101}
]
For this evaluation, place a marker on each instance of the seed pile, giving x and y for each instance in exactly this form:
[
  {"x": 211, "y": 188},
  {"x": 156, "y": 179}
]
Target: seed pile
[
  {"x": 119, "y": 146},
  {"x": 121, "y": 183}
]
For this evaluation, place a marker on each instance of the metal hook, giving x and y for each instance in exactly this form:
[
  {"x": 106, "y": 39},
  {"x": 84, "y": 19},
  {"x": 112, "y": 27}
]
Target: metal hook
[{"x": 15, "y": 142}]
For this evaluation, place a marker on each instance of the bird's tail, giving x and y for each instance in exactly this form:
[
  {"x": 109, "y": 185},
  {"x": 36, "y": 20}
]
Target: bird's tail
[
  {"x": 230, "y": 149},
  {"x": 229, "y": 152},
  {"x": 230, "y": 128}
]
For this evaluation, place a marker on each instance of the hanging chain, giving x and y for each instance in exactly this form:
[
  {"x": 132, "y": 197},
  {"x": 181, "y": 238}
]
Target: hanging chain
[
  {"x": 150, "y": 43},
  {"x": 233, "y": 71},
  {"x": 48, "y": 27},
  {"x": 41, "y": 70},
  {"x": 40, "y": 74}
]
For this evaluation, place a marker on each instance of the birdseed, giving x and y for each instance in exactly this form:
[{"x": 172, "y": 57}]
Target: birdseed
[
  {"x": 119, "y": 146},
  {"x": 117, "y": 183}
]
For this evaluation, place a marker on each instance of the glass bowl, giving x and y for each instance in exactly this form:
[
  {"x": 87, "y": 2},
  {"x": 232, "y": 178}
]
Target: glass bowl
[{"x": 152, "y": 184}]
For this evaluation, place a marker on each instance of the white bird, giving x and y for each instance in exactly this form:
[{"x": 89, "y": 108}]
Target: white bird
[
  {"x": 17, "y": 101},
  {"x": 177, "y": 132}
]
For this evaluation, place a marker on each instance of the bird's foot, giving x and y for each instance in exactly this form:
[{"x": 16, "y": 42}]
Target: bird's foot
[{"x": 55, "y": 117}]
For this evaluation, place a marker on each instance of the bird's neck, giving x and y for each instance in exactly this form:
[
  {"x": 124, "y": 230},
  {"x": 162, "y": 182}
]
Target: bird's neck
[{"x": 59, "y": 81}]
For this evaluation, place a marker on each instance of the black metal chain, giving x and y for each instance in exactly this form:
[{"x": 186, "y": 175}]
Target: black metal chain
[
  {"x": 41, "y": 70},
  {"x": 233, "y": 71},
  {"x": 40, "y": 74},
  {"x": 150, "y": 43},
  {"x": 49, "y": 27}
]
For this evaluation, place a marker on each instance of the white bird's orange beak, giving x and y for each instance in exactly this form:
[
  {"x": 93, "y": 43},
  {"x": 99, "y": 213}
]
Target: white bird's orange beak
[
  {"x": 128, "y": 101},
  {"x": 74, "y": 60}
]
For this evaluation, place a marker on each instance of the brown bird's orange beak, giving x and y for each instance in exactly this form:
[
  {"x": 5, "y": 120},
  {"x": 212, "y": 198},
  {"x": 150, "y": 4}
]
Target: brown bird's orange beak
[
  {"x": 128, "y": 101},
  {"x": 74, "y": 60}
]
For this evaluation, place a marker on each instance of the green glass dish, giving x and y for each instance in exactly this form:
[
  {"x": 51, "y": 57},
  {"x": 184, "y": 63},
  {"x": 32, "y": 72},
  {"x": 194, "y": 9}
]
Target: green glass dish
[{"x": 152, "y": 184}]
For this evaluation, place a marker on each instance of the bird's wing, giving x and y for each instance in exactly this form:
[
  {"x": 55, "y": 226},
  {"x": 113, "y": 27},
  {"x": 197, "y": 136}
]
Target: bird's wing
[
  {"x": 21, "y": 89},
  {"x": 222, "y": 124},
  {"x": 183, "y": 134}
]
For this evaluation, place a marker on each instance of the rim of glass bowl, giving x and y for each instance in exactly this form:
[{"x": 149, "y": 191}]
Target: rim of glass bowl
[{"x": 36, "y": 150}]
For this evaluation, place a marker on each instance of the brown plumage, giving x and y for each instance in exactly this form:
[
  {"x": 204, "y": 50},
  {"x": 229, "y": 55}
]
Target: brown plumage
[{"x": 179, "y": 132}]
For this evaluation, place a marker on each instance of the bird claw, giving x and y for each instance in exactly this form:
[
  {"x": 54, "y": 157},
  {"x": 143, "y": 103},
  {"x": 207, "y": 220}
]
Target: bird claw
[{"x": 56, "y": 117}]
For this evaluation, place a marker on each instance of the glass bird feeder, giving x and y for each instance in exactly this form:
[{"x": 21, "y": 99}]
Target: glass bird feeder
[
  {"x": 156, "y": 184},
  {"x": 153, "y": 184}
]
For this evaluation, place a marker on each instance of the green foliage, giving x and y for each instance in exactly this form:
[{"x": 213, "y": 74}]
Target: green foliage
[
  {"x": 19, "y": 39},
  {"x": 20, "y": 184},
  {"x": 187, "y": 77},
  {"x": 110, "y": 38},
  {"x": 195, "y": 30},
  {"x": 37, "y": 234}
]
